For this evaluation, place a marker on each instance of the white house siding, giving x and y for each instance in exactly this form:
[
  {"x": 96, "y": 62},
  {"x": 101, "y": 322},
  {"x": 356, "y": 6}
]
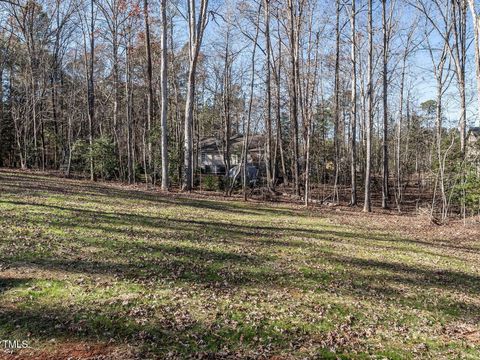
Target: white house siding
[{"x": 215, "y": 164}]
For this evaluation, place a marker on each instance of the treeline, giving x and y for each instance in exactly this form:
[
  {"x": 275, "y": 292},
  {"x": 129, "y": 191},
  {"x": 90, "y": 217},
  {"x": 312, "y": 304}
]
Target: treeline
[{"x": 355, "y": 95}]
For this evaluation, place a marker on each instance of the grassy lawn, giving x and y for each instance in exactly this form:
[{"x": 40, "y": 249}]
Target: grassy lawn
[{"x": 100, "y": 270}]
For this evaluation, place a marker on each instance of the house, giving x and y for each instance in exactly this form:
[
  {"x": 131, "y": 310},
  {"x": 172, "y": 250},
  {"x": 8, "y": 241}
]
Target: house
[{"x": 211, "y": 154}]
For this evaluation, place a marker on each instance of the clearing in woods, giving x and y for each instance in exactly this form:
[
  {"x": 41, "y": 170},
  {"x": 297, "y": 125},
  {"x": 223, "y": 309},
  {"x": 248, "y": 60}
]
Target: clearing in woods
[{"x": 91, "y": 270}]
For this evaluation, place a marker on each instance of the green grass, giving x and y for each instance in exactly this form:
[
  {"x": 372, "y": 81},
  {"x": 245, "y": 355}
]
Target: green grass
[{"x": 176, "y": 277}]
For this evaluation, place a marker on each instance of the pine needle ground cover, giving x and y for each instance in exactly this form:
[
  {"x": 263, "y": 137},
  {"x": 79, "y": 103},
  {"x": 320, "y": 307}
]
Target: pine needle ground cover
[{"x": 103, "y": 271}]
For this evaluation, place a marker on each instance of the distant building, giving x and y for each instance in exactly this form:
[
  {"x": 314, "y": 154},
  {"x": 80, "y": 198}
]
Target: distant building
[{"x": 211, "y": 154}]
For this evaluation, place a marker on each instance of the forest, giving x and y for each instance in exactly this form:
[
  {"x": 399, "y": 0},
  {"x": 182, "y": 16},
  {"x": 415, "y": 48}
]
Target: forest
[
  {"x": 239, "y": 179},
  {"x": 354, "y": 101}
]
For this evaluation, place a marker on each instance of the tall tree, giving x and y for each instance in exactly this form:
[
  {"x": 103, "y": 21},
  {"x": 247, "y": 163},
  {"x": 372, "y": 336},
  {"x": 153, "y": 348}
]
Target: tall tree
[
  {"x": 476, "y": 32},
  {"x": 294, "y": 24},
  {"x": 115, "y": 16},
  {"x": 164, "y": 91},
  {"x": 407, "y": 50},
  {"x": 268, "y": 113},
  {"x": 246, "y": 138},
  {"x": 353, "y": 111},
  {"x": 129, "y": 104},
  {"x": 150, "y": 107},
  {"x": 386, "y": 28},
  {"x": 91, "y": 89},
  {"x": 441, "y": 72},
  {"x": 367, "y": 206},
  {"x": 336, "y": 131},
  {"x": 459, "y": 55},
  {"x": 196, "y": 28}
]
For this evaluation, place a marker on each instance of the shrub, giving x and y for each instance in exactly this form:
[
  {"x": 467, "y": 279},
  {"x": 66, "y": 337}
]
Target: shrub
[
  {"x": 105, "y": 160},
  {"x": 468, "y": 193},
  {"x": 80, "y": 156},
  {"x": 211, "y": 183}
]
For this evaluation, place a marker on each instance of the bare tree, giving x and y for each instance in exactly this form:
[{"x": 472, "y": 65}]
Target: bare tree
[
  {"x": 115, "y": 18},
  {"x": 294, "y": 22},
  {"x": 150, "y": 107},
  {"x": 196, "y": 28},
  {"x": 459, "y": 54},
  {"x": 129, "y": 103},
  {"x": 353, "y": 110},
  {"x": 268, "y": 114},
  {"x": 336, "y": 95},
  {"x": 452, "y": 14},
  {"x": 246, "y": 139},
  {"x": 91, "y": 88},
  {"x": 164, "y": 91},
  {"x": 408, "y": 48},
  {"x": 310, "y": 78},
  {"x": 442, "y": 77},
  {"x": 476, "y": 31},
  {"x": 387, "y": 20},
  {"x": 367, "y": 206}
]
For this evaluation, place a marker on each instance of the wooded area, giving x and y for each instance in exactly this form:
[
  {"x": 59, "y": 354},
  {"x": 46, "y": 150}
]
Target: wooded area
[
  {"x": 355, "y": 100},
  {"x": 239, "y": 179}
]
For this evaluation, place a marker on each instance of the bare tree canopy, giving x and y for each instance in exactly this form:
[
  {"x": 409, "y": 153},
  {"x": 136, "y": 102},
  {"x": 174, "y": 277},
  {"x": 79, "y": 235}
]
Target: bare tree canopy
[{"x": 336, "y": 95}]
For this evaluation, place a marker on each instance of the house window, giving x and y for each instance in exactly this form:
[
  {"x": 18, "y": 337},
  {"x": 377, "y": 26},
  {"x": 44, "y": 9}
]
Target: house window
[{"x": 204, "y": 157}]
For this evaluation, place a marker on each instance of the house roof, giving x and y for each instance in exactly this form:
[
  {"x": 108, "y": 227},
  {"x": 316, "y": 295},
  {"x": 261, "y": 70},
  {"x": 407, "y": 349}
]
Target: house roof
[
  {"x": 236, "y": 143},
  {"x": 210, "y": 144},
  {"x": 474, "y": 130}
]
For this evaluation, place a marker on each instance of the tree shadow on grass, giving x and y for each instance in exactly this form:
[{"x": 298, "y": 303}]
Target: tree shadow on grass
[
  {"x": 154, "y": 331},
  {"x": 365, "y": 279},
  {"x": 7, "y": 283},
  {"x": 102, "y": 194},
  {"x": 97, "y": 192},
  {"x": 383, "y": 272},
  {"x": 175, "y": 330},
  {"x": 169, "y": 331},
  {"x": 115, "y": 221},
  {"x": 148, "y": 257},
  {"x": 242, "y": 235}
]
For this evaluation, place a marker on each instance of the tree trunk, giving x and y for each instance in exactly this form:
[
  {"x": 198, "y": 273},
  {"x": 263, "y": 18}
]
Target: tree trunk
[
  {"x": 294, "y": 88},
  {"x": 227, "y": 130},
  {"x": 128, "y": 102},
  {"x": 164, "y": 90},
  {"x": 367, "y": 206},
  {"x": 353, "y": 112},
  {"x": 249, "y": 111},
  {"x": 459, "y": 27},
  {"x": 150, "y": 108},
  {"x": 336, "y": 134},
  {"x": 91, "y": 91},
  {"x": 268, "y": 122},
  {"x": 196, "y": 29},
  {"x": 385, "y": 175},
  {"x": 476, "y": 32}
]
